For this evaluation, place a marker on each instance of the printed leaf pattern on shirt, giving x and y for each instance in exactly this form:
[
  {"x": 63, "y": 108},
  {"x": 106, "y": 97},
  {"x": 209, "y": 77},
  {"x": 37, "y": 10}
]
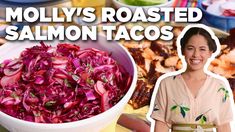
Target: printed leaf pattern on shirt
[
  {"x": 202, "y": 117},
  {"x": 225, "y": 92},
  {"x": 173, "y": 107},
  {"x": 182, "y": 112},
  {"x": 183, "y": 109}
]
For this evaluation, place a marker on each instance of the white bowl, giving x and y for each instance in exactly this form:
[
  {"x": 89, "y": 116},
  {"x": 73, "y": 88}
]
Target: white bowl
[
  {"x": 96, "y": 123},
  {"x": 215, "y": 8},
  {"x": 230, "y": 5},
  {"x": 28, "y": 1},
  {"x": 119, "y": 4},
  {"x": 213, "y": 16}
]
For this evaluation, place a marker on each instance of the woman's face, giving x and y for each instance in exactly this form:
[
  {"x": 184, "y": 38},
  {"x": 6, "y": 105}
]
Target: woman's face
[{"x": 196, "y": 52}]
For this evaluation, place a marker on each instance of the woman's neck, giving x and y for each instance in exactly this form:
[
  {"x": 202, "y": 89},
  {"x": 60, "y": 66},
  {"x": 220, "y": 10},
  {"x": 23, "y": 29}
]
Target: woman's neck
[{"x": 194, "y": 75}]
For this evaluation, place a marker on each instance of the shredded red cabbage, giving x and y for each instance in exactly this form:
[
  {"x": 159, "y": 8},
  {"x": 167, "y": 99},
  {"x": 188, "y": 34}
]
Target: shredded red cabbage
[{"x": 60, "y": 84}]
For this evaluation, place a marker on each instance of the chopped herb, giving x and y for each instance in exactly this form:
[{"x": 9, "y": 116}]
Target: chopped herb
[
  {"x": 37, "y": 114},
  {"x": 112, "y": 77},
  {"x": 21, "y": 110},
  {"x": 42, "y": 94},
  {"x": 32, "y": 95},
  {"x": 67, "y": 84},
  {"x": 90, "y": 81},
  {"x": 50, "y": 103},
  {"x": 70, "y": 73},
  {"x": 85, "y": 108},
  {"x": 91, "y": 69},
  {"x": 53, "y": 59},
  {"x": 14, "y": 95},
  {"x": 104, "y": 79},
  {"x": 75, "y": 77}
]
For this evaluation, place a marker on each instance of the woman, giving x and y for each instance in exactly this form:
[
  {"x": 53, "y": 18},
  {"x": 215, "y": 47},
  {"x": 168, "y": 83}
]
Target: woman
[{"x": 193, "y": 100}]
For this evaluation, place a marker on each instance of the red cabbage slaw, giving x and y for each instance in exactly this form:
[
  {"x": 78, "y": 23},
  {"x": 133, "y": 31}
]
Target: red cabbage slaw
[{"x": 61, "y": 84}]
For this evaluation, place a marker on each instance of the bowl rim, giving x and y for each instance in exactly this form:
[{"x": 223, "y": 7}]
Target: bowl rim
[
  {"x": 133, "y": 6},
  {"x": 204, "y": 10},
  {"x": 97, "y": 117},
  {"x": 224, "y": 5}
]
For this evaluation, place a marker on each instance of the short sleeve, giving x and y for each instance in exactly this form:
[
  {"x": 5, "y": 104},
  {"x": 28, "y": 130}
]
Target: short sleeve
[
  {"x": 226, "y": 105},
  {"x": 159, "y": 110}
]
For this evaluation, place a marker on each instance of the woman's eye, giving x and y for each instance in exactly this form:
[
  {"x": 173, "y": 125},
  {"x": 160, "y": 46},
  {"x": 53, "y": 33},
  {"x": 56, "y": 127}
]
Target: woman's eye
[
  {"x": 203, "y": 49},
  {"x": 189, "y": 48}
]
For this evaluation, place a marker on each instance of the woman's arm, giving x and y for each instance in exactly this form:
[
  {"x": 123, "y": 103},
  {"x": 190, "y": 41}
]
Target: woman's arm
[
  {"x": 133, "y": 123},
  {"x": 161, "y": 126},
  {"x": 224, "y": 128}
]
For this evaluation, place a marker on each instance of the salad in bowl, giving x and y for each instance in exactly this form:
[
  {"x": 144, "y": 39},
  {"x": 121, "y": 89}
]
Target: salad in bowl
[{"x": 64, "y": 87}]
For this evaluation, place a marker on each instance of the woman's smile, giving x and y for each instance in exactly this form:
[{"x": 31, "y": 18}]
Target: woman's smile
[{"x": 195, "y": 61}]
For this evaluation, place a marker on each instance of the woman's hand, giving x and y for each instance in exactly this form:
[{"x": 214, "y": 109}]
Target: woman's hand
[
  {"x": 224, "y": 128},
  {"x": 133, "y": 123}
]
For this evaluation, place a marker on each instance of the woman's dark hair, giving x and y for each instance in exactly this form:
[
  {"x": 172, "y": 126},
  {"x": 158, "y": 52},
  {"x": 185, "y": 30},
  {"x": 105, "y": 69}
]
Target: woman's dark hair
[{"x": 198, "y": 31}]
